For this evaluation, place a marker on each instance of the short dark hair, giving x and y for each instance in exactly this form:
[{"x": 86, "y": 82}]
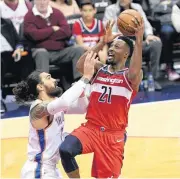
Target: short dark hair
[
  {"x": 129, "y": 42},
  {"x": 87, "y": 2},
  {"x": 26, "y": 90}
]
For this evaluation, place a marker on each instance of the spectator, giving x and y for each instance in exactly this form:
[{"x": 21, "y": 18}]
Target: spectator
[
  {"x": 10, "y": 47},
  {"x": 15, "y": 10},
  {"x": 176, "y": 16},
  {"x": 152, "y": 44},
  {"x": 168, "y": 34},
  {"x": 88, "y": 31},
  {"x": 47, "y": 29},
  {"x": 67, "y": 7}
]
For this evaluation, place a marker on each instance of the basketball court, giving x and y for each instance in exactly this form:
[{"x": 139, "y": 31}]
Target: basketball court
[{"x": 152, "y": 149}]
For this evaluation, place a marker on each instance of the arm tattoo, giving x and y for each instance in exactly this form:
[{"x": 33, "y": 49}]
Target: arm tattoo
[{"x": 39, "y": 111}]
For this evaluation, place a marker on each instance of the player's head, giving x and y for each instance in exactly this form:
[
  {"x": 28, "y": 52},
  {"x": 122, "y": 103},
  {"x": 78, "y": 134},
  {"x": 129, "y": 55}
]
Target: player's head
[
  {"x": 125, "y": 3},
  {"x": 37, "y": 83},
  {"x": 88, "y": 10},
  {"x": 120, "y": 49}
]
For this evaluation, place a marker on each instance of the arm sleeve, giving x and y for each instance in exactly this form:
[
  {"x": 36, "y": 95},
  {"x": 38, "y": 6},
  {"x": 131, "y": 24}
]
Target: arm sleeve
[
  {"x": 175, "y": 18},
  {"x": 81, "y": 104},
  {"x": 64, "y": 102}
]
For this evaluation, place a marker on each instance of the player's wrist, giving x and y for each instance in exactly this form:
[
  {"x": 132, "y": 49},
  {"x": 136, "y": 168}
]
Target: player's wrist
[
  {"x": 103, "y": 41},
  {"x": 139, "y": 40},
  {"x": 86, "y": 79}
]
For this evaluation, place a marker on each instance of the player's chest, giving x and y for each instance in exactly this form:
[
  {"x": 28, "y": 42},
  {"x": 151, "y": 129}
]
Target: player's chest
[{"x": 110, "y": 88}]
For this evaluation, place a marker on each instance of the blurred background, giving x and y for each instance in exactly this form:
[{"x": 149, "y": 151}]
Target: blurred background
[
  {"x": 56, "y": 45},
  {"x": 52, "y": 35}
]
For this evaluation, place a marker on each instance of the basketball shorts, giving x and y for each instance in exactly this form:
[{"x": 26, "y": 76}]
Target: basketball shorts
[
  {"x": 32, "y": 170},
  {"x": 108, "y": 148}
]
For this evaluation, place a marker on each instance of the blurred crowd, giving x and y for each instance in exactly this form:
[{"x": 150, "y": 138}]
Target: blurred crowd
[{"x": 52, "y": 35}]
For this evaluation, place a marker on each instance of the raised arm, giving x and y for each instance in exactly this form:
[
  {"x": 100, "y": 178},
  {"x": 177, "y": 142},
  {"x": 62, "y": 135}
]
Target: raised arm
[
  {"x": 80, "y": 105},
  {"x": 107, "y": 38},
  {"x": 40, "y": 112},
  {"x": 134, "y": 74}
]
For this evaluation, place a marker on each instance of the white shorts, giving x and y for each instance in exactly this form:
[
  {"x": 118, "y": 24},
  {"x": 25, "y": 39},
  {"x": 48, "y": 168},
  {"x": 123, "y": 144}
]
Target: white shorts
[{"x": 32, "y": 170}]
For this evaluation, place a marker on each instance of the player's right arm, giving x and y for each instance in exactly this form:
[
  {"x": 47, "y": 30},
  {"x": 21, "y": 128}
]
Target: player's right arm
[
  {"x": 38, "y": 116},
  {"x": 40, "y": 112},
  {"x": 134, "y": 74},
  {"x": 107, "y": 38}
]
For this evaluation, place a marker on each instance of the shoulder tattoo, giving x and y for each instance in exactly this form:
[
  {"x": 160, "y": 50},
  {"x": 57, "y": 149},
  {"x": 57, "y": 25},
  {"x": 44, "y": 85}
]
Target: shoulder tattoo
[{"x": 39, "y": 111}]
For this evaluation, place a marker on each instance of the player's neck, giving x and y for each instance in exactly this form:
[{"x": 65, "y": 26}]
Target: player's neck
[
  {"x": 114, "y": 68},
  {"x": 88, "y": 22},
  {"x": 126, "y": 7},
  {"x": 45, "y": 97}
]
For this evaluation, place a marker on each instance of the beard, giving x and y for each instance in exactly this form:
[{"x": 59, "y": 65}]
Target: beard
[
  {"x": 55, "y": 92},
  {"x": 110, "y": 62}
]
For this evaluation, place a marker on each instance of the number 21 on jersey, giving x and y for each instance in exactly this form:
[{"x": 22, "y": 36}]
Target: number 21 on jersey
[{"x": 106, "y": 95}]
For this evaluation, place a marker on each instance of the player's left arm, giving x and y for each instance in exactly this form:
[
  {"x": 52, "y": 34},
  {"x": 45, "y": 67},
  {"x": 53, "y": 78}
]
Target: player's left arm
[
  {"x": 134, "y": 74},
  {"x": 81, "y": 104}
]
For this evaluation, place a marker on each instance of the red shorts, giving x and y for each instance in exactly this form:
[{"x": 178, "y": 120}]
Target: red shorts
[{"x": 108, "y": 148}]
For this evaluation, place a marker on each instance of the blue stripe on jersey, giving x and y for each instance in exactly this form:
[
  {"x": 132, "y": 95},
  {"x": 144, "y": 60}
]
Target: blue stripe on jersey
[
  {"x": 39, "y": 155},
  {"x": 38, "y": 171},
  {"x": 95, "y": 30}
]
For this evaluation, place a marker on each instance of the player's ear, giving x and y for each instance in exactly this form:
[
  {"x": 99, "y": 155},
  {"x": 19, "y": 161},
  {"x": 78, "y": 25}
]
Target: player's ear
[
  {"x": 126, "y": 55},
  {"x": 40, "y": 87}
]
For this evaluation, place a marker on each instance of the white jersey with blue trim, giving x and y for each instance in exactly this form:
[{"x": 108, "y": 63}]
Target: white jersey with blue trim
[{"x": 43, "y": 146}]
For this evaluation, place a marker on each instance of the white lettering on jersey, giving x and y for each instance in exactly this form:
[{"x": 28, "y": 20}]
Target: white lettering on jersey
[
  {"x": 110, "y": 80},
  {"x": 90, "y": 38}
]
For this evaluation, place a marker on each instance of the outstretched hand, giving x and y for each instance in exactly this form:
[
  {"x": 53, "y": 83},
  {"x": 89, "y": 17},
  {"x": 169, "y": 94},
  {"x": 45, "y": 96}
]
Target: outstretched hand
[
  {"x": 139, "y": 30},
  {"x": 89, "y": 64},
  {"x": 109, "y": 36}
]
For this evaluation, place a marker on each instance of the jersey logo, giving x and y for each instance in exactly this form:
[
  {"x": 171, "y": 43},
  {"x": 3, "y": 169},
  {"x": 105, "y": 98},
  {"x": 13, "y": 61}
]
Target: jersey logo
[
  {"x": 119, "y": 140},
  {"x": 110, "y": 80}
]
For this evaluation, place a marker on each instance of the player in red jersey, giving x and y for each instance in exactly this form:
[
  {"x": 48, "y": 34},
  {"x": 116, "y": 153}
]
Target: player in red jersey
[{"x": 112, "y": 91}]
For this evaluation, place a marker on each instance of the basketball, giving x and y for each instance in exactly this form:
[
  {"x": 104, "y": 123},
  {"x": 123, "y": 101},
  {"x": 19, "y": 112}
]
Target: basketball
[{"x": 128, "y": 20}]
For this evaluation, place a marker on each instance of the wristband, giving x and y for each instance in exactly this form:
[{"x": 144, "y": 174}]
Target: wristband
[{"x": 85, "y": 80}]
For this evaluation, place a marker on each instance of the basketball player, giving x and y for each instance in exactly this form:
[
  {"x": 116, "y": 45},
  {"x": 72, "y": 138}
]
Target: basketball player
[
  {"x": 112, "y": 91},
  {"x": 47, "y": 117}
]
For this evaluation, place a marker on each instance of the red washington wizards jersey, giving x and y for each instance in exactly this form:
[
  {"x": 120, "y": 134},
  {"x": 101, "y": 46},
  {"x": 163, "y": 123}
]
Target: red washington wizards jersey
[
  {"x": 90, "y": 35},
  {"x": 111, "y": 96}
]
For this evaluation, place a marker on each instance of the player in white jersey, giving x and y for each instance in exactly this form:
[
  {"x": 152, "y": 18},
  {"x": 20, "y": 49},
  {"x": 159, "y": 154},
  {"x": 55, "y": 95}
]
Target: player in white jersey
[{"x": 47, "y": 117}]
